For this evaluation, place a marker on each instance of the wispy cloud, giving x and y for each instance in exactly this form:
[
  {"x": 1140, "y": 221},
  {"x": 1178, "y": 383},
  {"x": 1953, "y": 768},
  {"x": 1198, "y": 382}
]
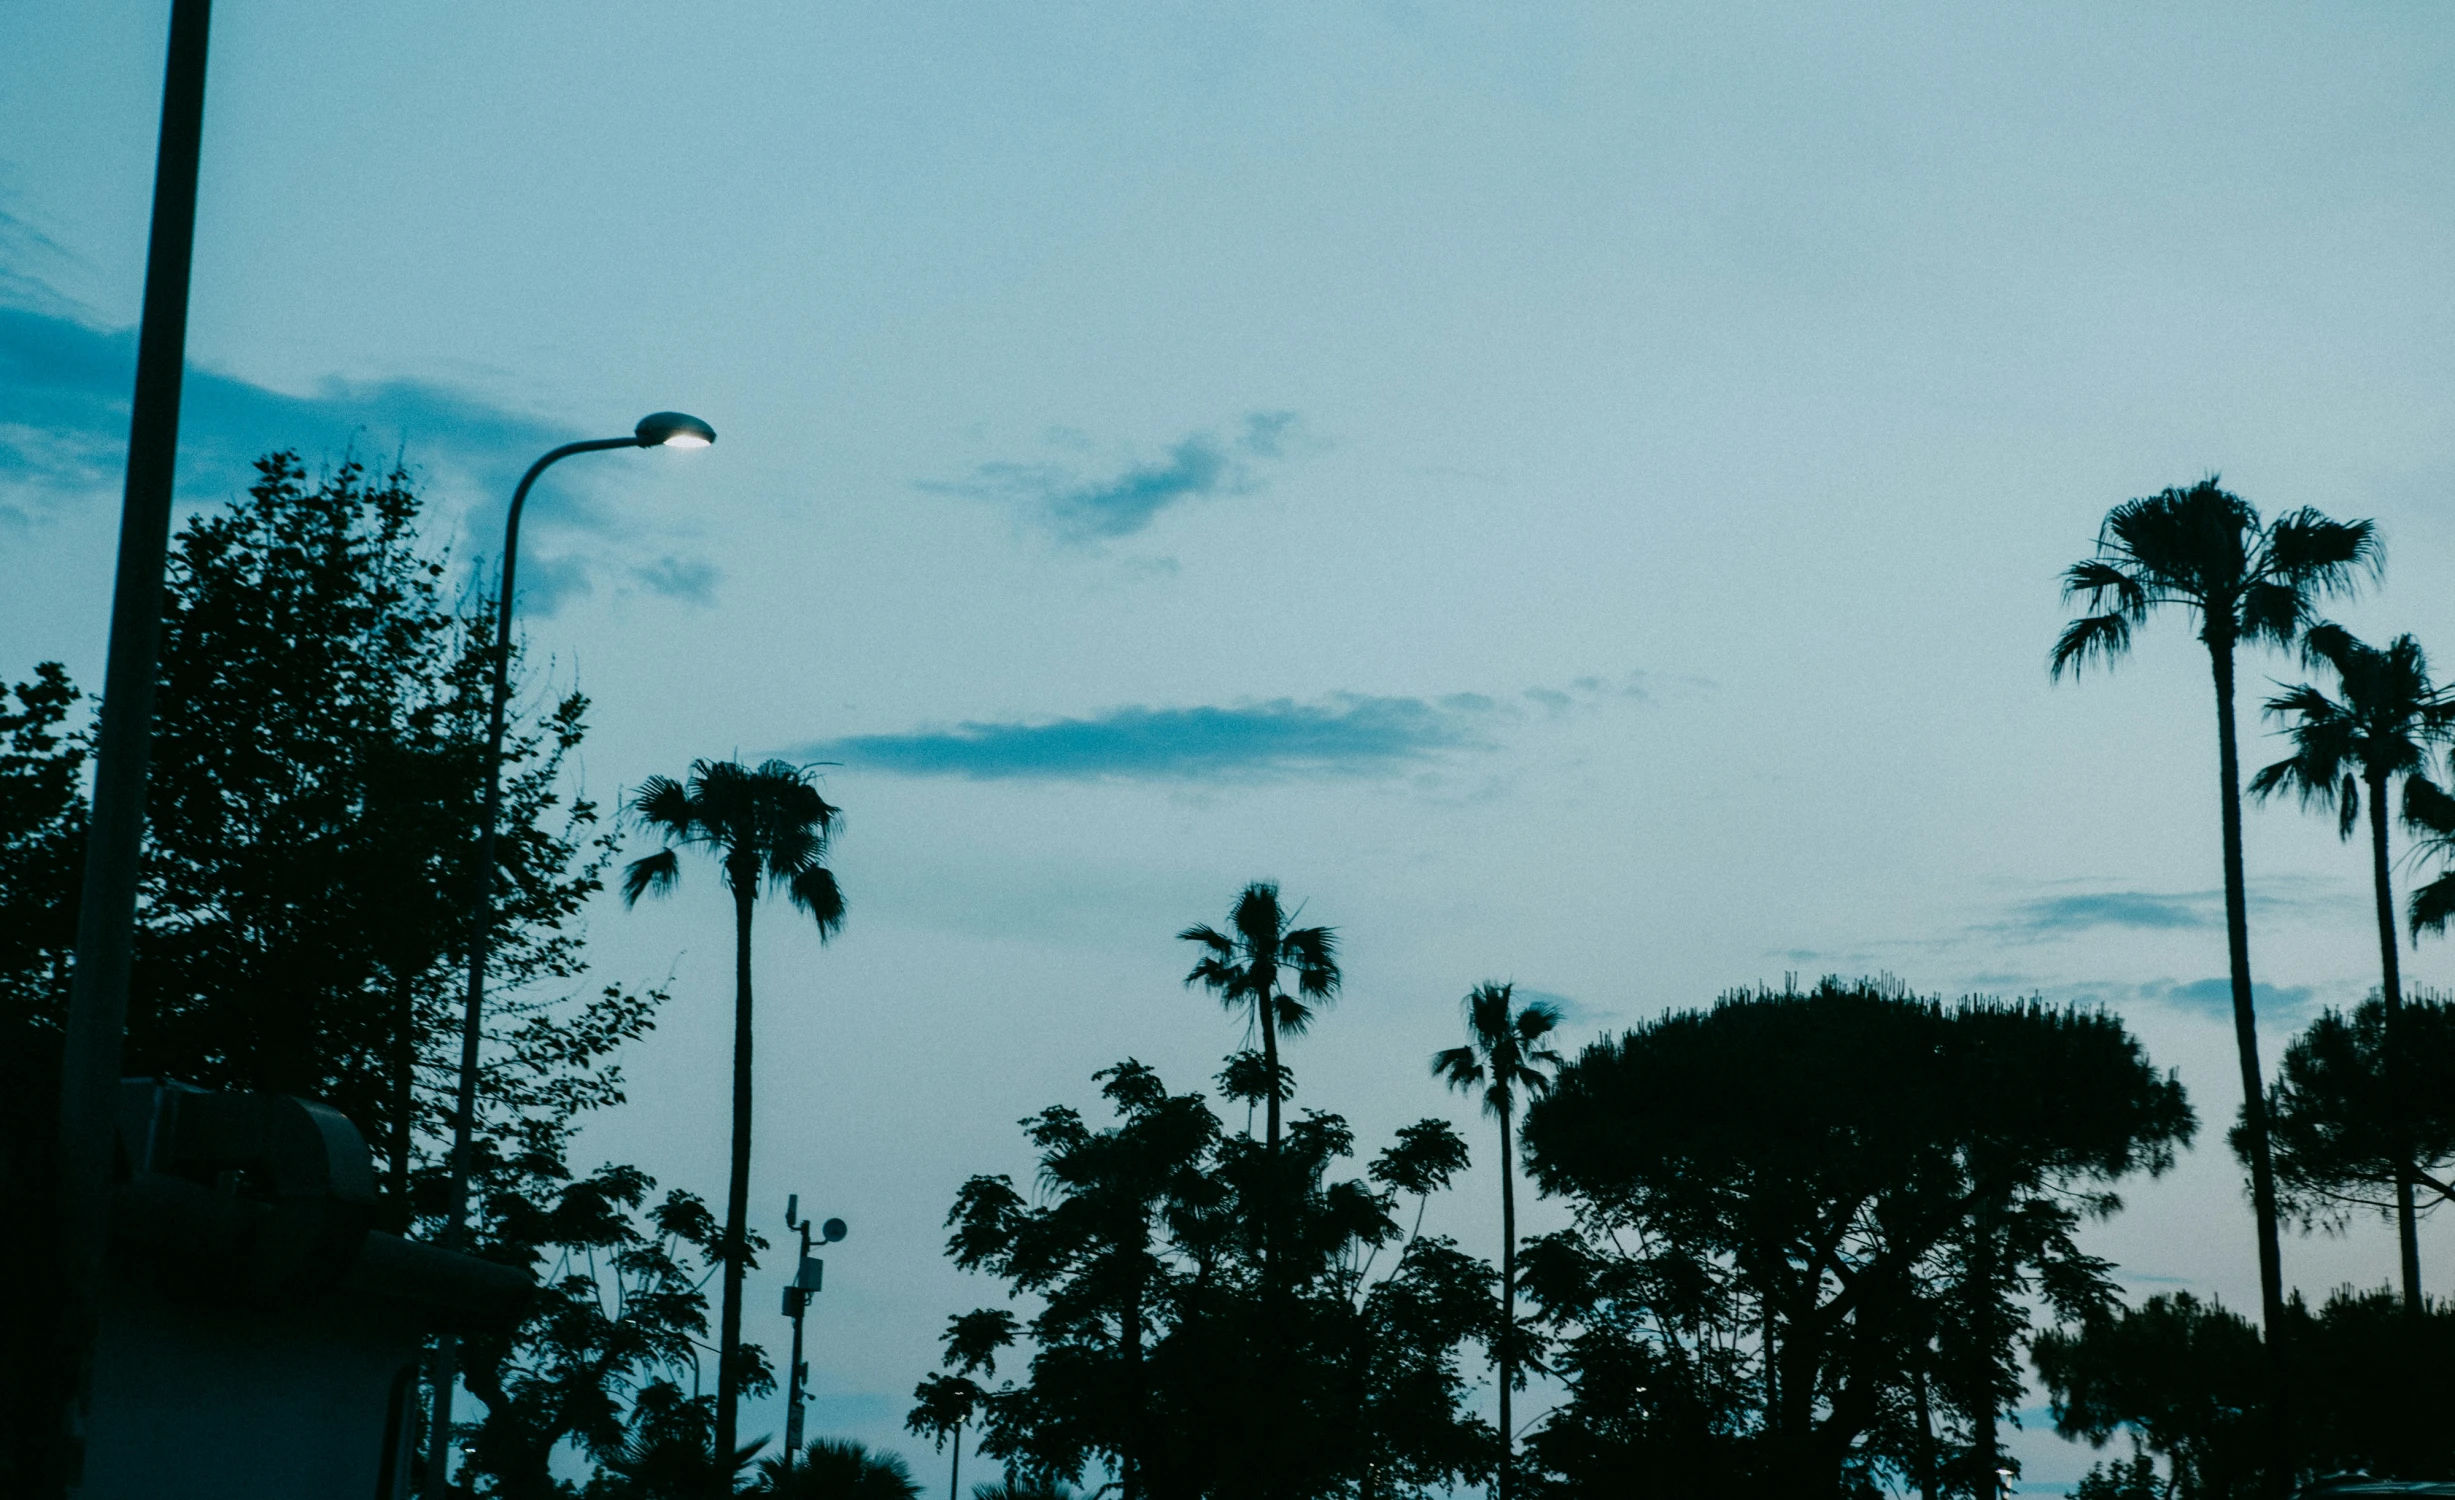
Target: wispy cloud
[
  {"x": 64, "y": 399},
  {"x": 2215, "y": 996},
  {"x": 1090, "y": 508},
  {"x": 2080, "y": 912},
  {"x": 1346, "y": 734}
]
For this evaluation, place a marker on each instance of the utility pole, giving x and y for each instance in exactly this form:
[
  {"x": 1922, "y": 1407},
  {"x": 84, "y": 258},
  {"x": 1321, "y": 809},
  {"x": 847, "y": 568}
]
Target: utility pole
[
  {"x": 809, "y": 1273},
  {"x": 106, "y": 920}
]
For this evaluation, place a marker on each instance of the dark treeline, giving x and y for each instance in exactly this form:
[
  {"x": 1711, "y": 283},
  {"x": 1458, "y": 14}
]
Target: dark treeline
[{"x": 1820, "y": 1241}]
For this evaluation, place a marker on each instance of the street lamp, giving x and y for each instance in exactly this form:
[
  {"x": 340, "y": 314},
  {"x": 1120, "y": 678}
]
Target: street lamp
[{"x": 659, "y": 429}]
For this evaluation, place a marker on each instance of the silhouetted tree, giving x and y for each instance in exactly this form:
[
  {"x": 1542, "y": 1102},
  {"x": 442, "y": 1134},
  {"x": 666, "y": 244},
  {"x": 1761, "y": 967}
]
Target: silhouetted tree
[
  {"x": 838, "y": 1469},
  {"x": 768, "y": 826},
  {"x": 2248, "y": 581},
  {"x": 619, "y": 1308},
  {"x": 2371, "y": 1383},
  {"x": 1241, "y": 966},
  {"x": 2337, "y": 1149},
  {"x": 2380, "y": 729},
  {"x": 1504, "y": 1058},
  {"x": 42, "y": 848},
  {"x": 1157, "y": 1338},
  {"x": 943, "y": 1403},
  {"x": 1800, "y": 1183}
]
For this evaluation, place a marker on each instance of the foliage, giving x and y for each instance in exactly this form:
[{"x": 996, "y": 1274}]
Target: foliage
[
  {"x": 667, "y": 1454},
  {"x": 1143, "y": 1250},
  {"x": 2134, "y": 1478},
  {"x": 2371, "y": 1382},
  {"x": 2334, "y": 1142},
  {"x": 316, "y": 774},
  {"x": 42, "y": 847},
  {"x": 838, "y": 1469},
  {"x": 1820, "y": 1220},
  {"x": 620, "y": 1312}
]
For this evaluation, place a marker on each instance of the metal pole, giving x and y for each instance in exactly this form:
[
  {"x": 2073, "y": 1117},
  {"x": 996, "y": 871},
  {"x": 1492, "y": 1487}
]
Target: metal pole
[
  {"x": 794, "y": 1372},
  {"x": 106, "y": 922},
  {"x": 481, "y": 936}
]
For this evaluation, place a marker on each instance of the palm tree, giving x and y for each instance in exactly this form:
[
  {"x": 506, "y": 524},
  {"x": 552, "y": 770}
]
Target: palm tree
[
  {"x": 838, "y": 1469},
  {"x": 2247, "y": 581},
  {"x": 2381, "y": 728},
  {"x": 771, "y": 825},
  {"x": 1241, "y": 966},
  {"x": 1504, "y": 1056}
]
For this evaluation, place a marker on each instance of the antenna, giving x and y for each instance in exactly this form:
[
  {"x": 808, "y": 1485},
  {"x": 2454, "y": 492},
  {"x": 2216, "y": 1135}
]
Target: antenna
[{"x": 792, "y": 1208}]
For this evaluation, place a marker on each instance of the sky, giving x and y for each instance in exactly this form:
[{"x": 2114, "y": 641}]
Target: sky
[{"x": 1575, "y": 493}]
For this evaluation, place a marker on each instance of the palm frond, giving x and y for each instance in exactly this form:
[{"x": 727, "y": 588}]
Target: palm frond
[
  {"x": 1458, "y": 1067},
  {"x": 2322, "y": 555},
  {"x": 2091, "y": 637},
  {"x": 814, "y": 891},
  {"x": 1313, "y": 951},
  {"x": 662, "y": 803},
  {"x": 654, "y": 875},
  {"x": 2272, "y": 612},
  {"x": 2432, "y": 904},
  {"x": 1209, "y": 937},
  {"x": 2428, "y": 808}
]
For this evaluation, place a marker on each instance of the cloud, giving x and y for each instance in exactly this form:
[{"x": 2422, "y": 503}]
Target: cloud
[
  {"x": 64, "y": 403},
  {"x": 2080, "y": 912},
  {"x": 1098, "y": 508},
  {"x": 1346, "y": 734},
  {"x": 2215, "y": 996}
]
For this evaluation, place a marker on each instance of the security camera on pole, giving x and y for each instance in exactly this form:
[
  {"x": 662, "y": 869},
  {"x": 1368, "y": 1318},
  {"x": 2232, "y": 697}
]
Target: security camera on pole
[{"x": 797, "y": 1295}]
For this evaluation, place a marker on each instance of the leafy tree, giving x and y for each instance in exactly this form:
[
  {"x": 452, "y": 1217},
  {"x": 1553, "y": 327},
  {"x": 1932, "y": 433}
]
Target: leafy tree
[
  {"x": 2337, "y": 1149},
  {"x": 2131, "y": 1479},
  {"x": 42, "y": 847},
  {"x": 315, "y": 778},
  {"x": 2247, "y": 581},
  {"x": 2371, "y": 1383},
  {"x": 1804, "y": 1188},
  {"x": 620, "y": 1309},
  {"x": 1505, "y": 1058},
  {"x": 765, "y": 825},
  {"x": 944, "y": 1404},
  {"x": 838, "y": 1469},
  {"x": 1157, "y": 1333},
  {"x": 2381, "y": 729}
]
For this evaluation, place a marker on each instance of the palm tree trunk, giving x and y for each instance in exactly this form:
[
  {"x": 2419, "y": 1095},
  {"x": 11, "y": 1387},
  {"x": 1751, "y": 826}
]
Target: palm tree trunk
[
  {"x": 1270, "y": 1060},
  {"x": 2399, "y": 1134},
  {"x": 737, "y": 1188},
  {"x": 1508, "y": 1306},
  {"x": 2246, "y": 1049},
  {"x": 954, "y": 1472}
]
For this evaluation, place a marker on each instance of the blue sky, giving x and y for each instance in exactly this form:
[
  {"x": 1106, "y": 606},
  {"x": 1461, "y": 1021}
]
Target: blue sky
[{"x": 1575, "y": 494}]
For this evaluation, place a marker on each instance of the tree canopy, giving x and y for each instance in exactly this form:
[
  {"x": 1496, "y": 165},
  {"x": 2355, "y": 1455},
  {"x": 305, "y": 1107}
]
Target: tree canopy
[{"x": 1821, "y": 1211}]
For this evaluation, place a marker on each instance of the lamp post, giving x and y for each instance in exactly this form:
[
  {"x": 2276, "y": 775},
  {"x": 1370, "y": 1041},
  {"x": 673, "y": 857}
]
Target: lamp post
[
  {"x": 663, "y": 429},
  {"x": 808, "y": 1274}
]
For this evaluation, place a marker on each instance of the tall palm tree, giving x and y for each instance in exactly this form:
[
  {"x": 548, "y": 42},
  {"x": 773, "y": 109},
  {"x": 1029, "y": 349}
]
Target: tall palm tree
[
  {"x": 1505, "y": 1057},
  {"x": 765, "y": 825},
  {"x": 2381, "y": 728},
  {"x": 1241, "y": 966},
  {"x": 2249, "y": 582}
]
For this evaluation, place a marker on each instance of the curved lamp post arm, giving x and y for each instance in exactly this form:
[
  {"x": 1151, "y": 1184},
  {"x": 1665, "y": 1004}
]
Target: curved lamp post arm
[{"x": 655, "y": 430}]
